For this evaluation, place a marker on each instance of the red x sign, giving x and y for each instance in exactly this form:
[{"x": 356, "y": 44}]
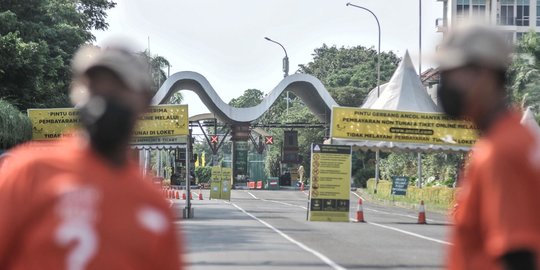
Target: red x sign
[
  {"x": 269, "y": 140},
  {"x": 214, "y": 139}
]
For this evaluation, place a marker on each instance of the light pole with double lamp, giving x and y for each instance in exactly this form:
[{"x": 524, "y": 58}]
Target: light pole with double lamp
[
  {"x": 285, "y": 66},
  {"x": 377, "y": 153}
]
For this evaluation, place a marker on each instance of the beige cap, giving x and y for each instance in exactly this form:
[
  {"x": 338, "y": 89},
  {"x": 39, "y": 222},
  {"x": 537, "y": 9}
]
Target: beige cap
[
  {"x": 131, "y": 69},
  {"x": 478, "y": 45}
]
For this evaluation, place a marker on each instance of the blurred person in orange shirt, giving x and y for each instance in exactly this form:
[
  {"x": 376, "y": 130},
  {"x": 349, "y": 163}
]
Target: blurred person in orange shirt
[
  {"x": 497, "y": 223},
  {"x": 82, "y": 204}
]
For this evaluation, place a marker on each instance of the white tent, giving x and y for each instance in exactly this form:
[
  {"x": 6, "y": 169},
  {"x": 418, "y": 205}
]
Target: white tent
[{"x": 404, "y": 92}]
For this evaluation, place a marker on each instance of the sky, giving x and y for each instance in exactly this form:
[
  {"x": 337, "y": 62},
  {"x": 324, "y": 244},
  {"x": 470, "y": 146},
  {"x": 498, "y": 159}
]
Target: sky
[{"x": 224, "y": 40}]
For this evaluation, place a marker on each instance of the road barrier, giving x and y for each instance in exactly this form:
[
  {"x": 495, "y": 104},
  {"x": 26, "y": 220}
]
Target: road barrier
[
  {"x": 259, "y": 184},
  {"x": 251, "y": 185}
]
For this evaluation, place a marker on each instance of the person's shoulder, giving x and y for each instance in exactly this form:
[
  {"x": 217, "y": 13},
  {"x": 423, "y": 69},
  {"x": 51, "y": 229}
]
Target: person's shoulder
[
  {"x": 511, "y": 139},
  {"x": 39, "y": 152}
]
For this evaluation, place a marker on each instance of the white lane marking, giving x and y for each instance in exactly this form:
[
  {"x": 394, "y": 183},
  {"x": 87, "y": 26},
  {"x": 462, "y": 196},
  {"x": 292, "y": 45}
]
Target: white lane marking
[
  {"x": 305, "y": 192},
  {"x": 255, "y": 197},
  {"x": 402, "y": 215},
  {"x": 411, "y": 233},
  {"x": 355, "y": 194},
  {"x": 284, "y": 203},
  {"x": 317, "y": 254}
]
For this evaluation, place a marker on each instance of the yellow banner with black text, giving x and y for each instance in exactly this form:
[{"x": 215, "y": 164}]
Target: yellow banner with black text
[
  {"x": 158, "y": 121},
  {"x": 398, "y": 126}
]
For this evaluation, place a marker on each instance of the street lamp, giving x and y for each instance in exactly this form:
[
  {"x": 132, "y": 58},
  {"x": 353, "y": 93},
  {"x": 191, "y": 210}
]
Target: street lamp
[
  {"x": 379, "y": 47},
  {"x": 285, "y": 59},
  {"x": 377, "y": 153},
  {"x": 285, "y": 66}
]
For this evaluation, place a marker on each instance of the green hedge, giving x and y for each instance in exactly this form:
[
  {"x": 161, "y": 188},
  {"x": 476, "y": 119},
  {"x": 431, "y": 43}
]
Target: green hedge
[{"x": 439, "y": 197}]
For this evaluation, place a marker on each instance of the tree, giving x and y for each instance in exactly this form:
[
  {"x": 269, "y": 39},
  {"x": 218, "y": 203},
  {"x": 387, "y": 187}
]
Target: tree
[
  {"x": 15, "y": 127},
  {"x": 37, "y": 41},
  {"x": 349, "y": 73},
  {"x": 524, "y": 73},
  {"x": 250, "y": 98},
  {"x": 157, "y": 63}
]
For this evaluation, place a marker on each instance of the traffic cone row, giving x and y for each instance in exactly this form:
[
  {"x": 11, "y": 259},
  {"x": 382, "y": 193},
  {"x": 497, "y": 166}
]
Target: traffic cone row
[
  {"x": 175, "y": 194},
  {"x": 421, "y": 213}
]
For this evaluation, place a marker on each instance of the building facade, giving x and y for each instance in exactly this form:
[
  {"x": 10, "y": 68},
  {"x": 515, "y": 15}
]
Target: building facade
[{"x": 513, "y": 17}]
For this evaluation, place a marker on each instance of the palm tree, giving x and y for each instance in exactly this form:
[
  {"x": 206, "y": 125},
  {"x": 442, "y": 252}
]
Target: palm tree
[{"x": 157, "y": 65}]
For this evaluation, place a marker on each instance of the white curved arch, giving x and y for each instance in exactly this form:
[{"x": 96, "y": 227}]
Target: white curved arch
[{"x": 308, "y": 88}]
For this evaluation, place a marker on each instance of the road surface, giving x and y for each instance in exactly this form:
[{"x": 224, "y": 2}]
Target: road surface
[{"x": 268, "y": 230}]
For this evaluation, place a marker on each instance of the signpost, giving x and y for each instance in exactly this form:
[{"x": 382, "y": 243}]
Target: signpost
[
  {"x": 220, "y": 186},
  {"x": 399, "y": 185},
  {"x": 330, "y": 183},
  {"x": 226, "y": 179},
  {"x": 215, "y": 184}
]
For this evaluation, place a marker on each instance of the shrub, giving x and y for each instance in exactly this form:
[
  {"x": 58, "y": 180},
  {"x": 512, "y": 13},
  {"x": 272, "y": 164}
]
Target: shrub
[{"x": 15, "y": 127}]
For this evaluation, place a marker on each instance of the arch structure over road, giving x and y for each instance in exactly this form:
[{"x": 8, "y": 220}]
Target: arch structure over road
[{"x": 308, "y": 88}]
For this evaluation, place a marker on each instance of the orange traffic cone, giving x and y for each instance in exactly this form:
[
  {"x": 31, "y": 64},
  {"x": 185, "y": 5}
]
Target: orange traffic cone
[
  {"x": 183, "y": 196},
  {"x": 200, "y": 195},
  {"x": 168, "y": 193},
  {"x": 191, "y": 195},
  {"x": 422, "y": 214},
  {"x": 302, "y": 186},
  {"x": 360, "y": 212},
  {"x": 177, "y": 195}
]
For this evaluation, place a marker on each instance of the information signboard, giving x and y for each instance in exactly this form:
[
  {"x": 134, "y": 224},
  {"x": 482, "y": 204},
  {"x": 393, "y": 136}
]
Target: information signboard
[
  {"x": 215, "y": 184},
  {"x": 398, "y": 126},
  {"x": 159, "y": 121},
  {"x": 330, "y": 183},
  {"x": 400, "y": 185},
  {"x": 226, "y": 177}
]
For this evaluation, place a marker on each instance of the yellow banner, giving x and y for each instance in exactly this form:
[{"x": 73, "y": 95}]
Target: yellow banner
[
  {"x": 330, "y": 183},
  {"x": 397, "y": 126},
  {"x": 163, "y": 121},
  {"x": 159, "y": 121}
]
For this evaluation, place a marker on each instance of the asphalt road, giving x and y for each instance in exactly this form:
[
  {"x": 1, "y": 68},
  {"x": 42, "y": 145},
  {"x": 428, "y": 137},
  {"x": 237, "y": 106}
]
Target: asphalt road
[{"x": 268, "y": 230}]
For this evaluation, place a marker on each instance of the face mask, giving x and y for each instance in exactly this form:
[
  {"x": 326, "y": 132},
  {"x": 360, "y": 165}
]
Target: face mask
[
  {"x": 451, "y": 99},
  {"x": 109, "y": 123}
]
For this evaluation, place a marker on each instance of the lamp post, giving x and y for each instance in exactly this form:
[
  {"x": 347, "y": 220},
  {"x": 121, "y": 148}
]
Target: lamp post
[
  {"x": 377, "y": 153},
  {"x": 379, "y": 47},
  {"x": 285, "y": 66}
]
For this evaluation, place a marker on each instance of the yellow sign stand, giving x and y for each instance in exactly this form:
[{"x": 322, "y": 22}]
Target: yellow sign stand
[{"x": 330, "y": 183}]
